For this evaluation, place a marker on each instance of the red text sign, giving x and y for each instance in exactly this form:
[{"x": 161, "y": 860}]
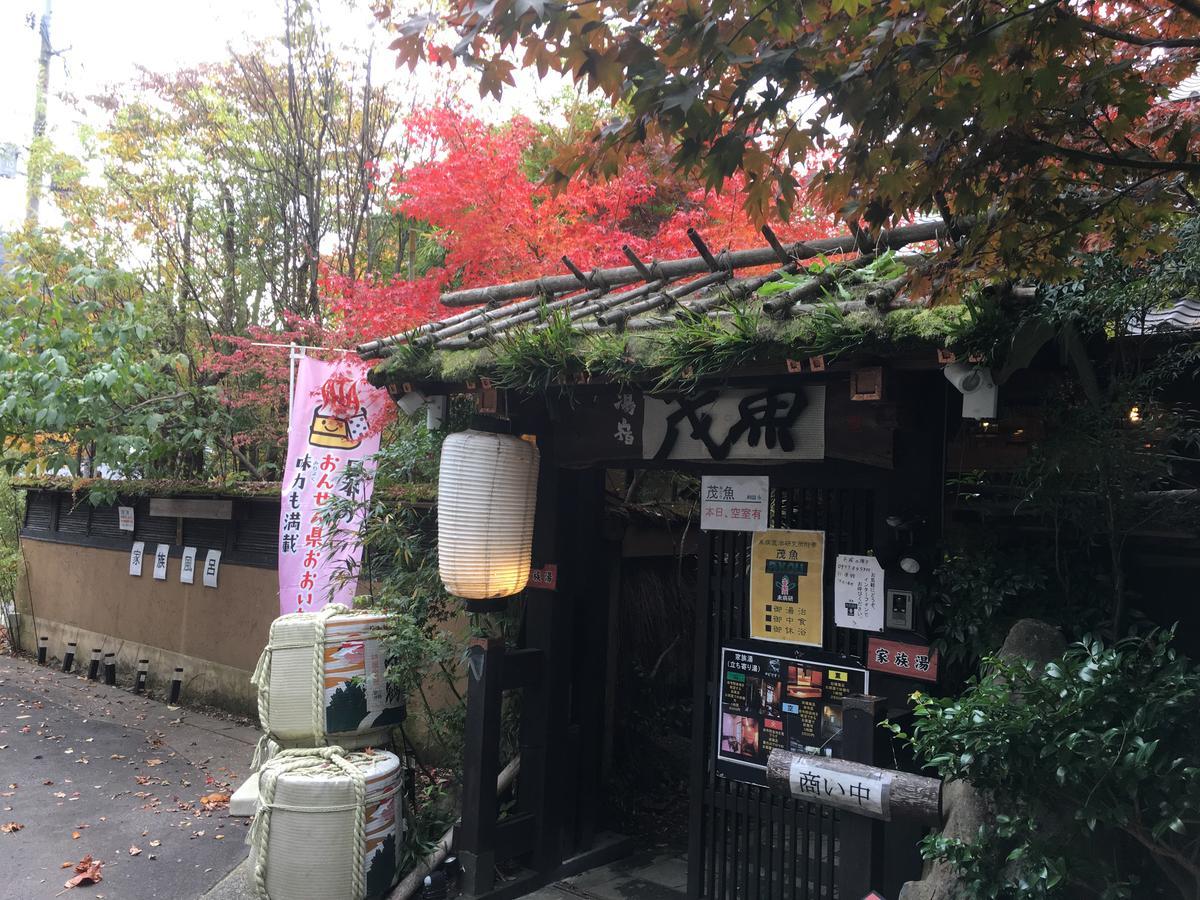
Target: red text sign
[
  {"x": 895, "y": 658},
  {"x": 545, "y": 578}
]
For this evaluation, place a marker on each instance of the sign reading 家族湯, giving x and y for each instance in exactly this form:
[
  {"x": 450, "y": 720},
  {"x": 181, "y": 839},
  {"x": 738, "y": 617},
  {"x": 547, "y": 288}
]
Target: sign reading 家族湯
[
  {"x": 735, "y": 424},
  {"x": 734, "y": 502},
  {"x": 331, "y": 448},
  {"x": 896, "y": 658},
  {"x": 858, "y": 593},
  {"x": 774, "y": 701},
  {"x": 135, "y": 557},
  {"x": 544, "y": 578},
  {"x": 810, "y": 778},
  {"x": 787, "y": 598}
]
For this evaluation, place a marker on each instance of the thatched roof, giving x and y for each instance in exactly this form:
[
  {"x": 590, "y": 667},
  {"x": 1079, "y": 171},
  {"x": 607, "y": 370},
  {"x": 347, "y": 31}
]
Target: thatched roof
[{"x": 804, "y": 299}]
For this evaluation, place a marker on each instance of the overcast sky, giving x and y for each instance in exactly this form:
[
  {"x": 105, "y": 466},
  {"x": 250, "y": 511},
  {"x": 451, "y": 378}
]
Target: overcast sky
[{"x": 101, "y": 42}]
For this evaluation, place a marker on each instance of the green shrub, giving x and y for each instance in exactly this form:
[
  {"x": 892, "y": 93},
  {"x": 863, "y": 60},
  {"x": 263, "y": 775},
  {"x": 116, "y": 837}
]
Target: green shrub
[{"x": 1091, "y": 762}]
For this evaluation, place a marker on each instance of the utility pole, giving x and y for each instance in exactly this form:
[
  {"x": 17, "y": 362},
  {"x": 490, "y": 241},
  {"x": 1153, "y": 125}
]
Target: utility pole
[{"x": 37, "y": 148}]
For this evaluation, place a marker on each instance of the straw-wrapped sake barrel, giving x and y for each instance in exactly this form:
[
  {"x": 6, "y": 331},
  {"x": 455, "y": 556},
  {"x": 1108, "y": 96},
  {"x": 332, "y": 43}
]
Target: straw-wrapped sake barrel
[
  {"x": 306, "y": 839},
  {"x": 322, "y": 681}
]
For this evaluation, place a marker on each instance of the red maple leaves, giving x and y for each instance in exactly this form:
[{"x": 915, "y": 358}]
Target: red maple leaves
[{"x": 478, "y": 188}]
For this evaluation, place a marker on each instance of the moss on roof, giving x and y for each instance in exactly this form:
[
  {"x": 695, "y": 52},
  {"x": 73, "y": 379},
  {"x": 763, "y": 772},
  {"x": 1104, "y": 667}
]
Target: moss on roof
[
  {"x": 107, "y": 489},
  {"x": 690, "y": 347}
]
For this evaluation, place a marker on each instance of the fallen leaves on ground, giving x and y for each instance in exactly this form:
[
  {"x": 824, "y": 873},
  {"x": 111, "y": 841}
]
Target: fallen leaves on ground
[
  {"x": 154, "y": 762},
  {"x": 215, "y": 801},
  {"x": 75, "y": 835},
  {"x": 10, "y": 827},
  {"x": 87, "y": 872},
  {"x": 134, "y": 850}
]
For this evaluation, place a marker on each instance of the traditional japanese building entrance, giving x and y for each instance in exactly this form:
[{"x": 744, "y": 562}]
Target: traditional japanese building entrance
[
  {"x": 853, "y": 448},
  {"x": 745, "y": 841}
]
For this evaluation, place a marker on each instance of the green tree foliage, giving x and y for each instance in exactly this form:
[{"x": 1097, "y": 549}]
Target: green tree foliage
[
  {"x": 1090, "y": 762},
  {"x": 1033, "y": 126},
  {"x": 83, "y": 381},
  {"x": 12, "y": 509},
  {"x": 239, "y": 178}
]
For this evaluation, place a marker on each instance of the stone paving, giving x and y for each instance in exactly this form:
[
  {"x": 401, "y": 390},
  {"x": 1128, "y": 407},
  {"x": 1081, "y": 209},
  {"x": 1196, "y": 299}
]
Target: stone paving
[
  {"x": 642, "y": 876},
  {"x": 90, "y": 769}
]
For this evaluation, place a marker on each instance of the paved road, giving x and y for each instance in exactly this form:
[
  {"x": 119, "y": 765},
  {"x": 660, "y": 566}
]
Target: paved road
[{"x": 88, "y": 769}]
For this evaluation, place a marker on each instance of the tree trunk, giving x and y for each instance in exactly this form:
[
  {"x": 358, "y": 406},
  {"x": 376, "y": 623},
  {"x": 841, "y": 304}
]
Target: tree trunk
[
  {"x": 229, "y": 304},
  {"x": 37, "y": 147}
]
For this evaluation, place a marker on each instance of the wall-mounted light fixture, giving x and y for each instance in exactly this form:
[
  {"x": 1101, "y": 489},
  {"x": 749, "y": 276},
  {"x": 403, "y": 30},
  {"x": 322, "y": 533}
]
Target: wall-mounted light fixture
[{"x": 975, "y": 383}]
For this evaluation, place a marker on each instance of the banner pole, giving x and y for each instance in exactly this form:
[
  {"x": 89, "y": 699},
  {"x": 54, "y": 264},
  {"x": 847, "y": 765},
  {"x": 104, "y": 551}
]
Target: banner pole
[{"x": 291, "y": 377}]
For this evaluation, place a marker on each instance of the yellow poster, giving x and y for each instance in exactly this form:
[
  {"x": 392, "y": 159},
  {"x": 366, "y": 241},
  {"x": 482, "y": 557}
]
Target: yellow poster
[{"x": 787, "y": 600}]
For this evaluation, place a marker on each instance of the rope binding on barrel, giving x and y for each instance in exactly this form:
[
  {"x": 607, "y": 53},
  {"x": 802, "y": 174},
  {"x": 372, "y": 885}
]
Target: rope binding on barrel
[
  {"x": 262, "y": 675},
  {"x": 308, "y": 761}
]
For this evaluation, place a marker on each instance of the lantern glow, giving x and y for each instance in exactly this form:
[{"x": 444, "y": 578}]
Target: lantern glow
[{"x": 487, "y": 488}]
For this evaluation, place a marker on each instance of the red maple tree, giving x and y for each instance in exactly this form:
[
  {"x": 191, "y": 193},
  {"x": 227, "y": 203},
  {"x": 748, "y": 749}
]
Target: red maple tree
[{"x": 479, "y": 193}]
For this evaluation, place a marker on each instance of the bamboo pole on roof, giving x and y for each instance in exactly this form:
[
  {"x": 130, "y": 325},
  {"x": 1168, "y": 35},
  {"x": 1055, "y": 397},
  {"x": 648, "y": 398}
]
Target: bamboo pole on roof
[
  {"x": 800, "y": 293},
  {"x": 887, "y": 239},
  {"x": 736, "y": 290},
  {"x": 515, "y": 314},
  {"x": 615, "y": 317},
  {"x": 373, "y": 348}
]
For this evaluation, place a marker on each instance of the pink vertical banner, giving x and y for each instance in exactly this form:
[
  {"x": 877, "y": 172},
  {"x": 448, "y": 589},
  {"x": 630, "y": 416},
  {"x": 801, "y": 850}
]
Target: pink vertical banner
[{"x": 336, "y": 418}]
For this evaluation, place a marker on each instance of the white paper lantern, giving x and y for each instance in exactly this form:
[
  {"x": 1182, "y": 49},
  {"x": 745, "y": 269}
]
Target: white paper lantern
[{"x": 487, "y": 487}]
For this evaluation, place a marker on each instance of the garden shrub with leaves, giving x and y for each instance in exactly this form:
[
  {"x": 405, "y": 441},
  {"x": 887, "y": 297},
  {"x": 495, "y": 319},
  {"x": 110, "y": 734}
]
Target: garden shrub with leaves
[
  {"x": 978, "y": 592},
  {"x": 1091, "y": 764},
  {"x": 12, "y": 507}
]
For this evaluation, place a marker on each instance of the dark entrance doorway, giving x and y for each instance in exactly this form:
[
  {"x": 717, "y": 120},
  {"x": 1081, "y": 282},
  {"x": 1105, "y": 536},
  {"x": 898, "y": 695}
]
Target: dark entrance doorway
[{"x": 744, "y": 841}]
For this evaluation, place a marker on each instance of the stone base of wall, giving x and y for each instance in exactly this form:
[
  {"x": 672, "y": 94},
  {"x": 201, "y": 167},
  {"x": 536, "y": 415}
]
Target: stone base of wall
[{"x": 205, "y": 683}]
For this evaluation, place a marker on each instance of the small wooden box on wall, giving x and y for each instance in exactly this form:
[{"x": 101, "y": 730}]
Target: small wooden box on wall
[{"x": 866, "y": 383}]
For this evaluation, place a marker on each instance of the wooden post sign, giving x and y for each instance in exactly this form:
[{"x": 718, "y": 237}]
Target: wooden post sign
[{"x": 857, "y": 788}]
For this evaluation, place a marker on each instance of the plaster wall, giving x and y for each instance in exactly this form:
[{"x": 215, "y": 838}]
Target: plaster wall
[{"x": 86, "y": 594}]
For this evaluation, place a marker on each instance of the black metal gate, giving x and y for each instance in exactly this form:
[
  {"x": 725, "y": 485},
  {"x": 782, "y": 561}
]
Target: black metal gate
[{"x": 744, "y": 842}]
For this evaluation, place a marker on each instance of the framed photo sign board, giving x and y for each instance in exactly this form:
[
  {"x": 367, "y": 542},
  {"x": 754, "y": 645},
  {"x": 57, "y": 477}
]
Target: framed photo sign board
[
  {"x": 772, "y": 698},
  {"x": 787, "y": 597}
]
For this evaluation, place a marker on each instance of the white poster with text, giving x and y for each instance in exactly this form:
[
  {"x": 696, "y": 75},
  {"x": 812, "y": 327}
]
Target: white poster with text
[
  {"x": 734, "y": 502},
  {"x": 858, "y": 593}
]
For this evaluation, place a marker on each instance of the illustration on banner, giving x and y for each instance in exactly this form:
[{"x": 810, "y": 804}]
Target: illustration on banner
[{"x": 340, "y": 422}]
